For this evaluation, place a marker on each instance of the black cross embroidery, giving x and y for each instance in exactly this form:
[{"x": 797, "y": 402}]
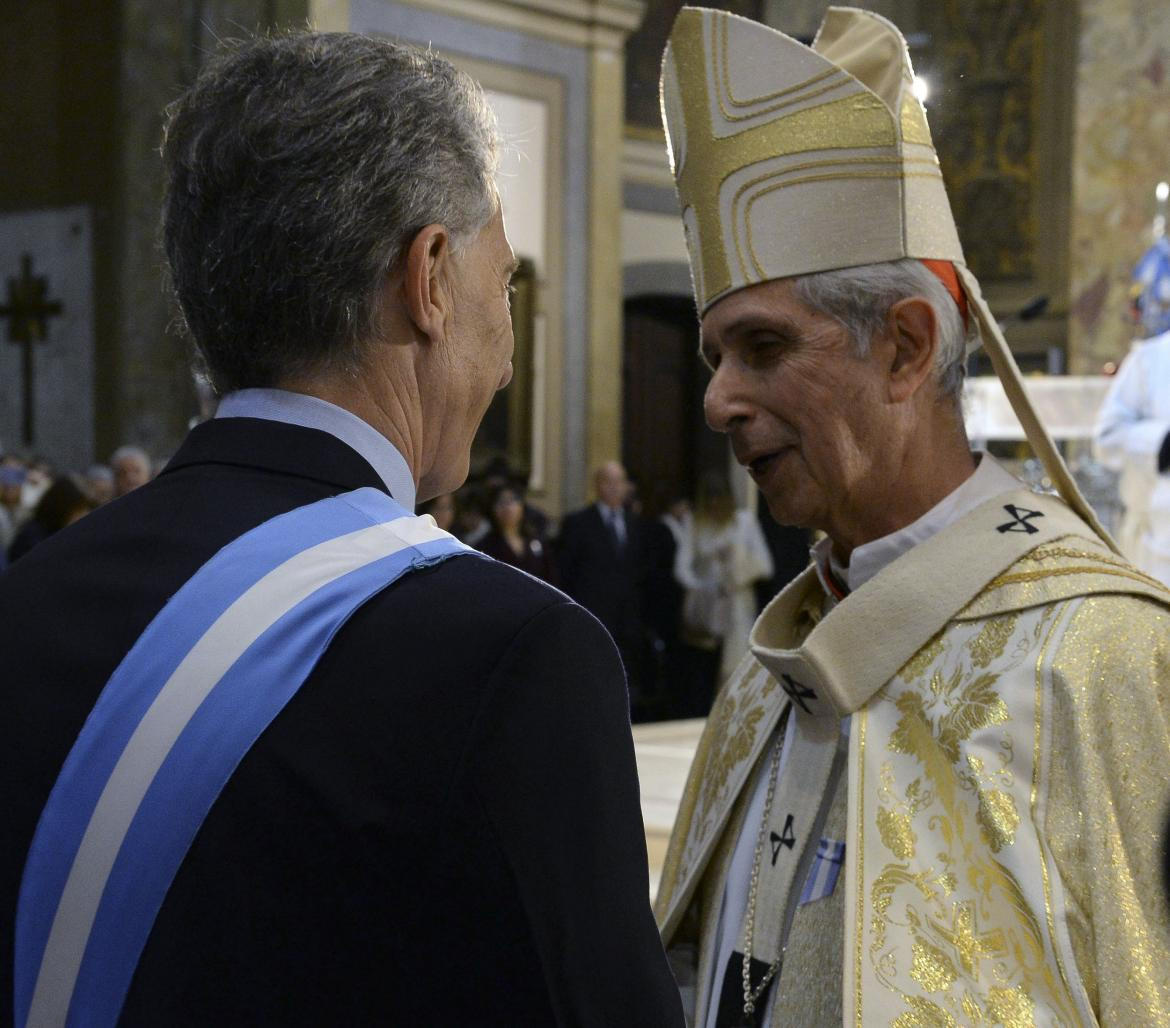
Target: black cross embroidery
[
  {"x": 1022, "y": 519},
  {"x": 788, "y": 838},
  {"x": 798, "y": 692}
]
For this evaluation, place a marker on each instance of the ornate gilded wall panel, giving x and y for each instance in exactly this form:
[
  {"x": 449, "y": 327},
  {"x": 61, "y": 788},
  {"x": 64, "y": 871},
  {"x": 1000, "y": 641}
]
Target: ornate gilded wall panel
[{"x": 986, "y": 60}]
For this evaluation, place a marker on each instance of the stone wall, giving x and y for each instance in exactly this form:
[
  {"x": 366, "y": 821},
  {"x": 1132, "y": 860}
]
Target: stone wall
[
  {"x": 145, "y": 388},
  {"x": 1121, "y": 150}
]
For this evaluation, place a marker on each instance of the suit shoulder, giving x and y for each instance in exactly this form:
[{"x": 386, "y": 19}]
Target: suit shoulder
[
  {"x": 474, "y": 588},
  {"x": 575, "y": 517}
]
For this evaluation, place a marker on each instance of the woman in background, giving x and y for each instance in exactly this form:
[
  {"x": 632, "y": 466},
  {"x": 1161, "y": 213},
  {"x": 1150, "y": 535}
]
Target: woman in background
[
  {"x": 60, "y": 505},
  {"x": 721, "y": 553},
  {"x": 512, "y": 539}
]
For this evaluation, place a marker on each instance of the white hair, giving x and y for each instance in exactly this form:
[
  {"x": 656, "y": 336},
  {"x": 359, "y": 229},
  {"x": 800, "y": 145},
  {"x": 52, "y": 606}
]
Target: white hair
[
  {"x": 133, "y": 452},
  {"x": 860, "y": 299}
]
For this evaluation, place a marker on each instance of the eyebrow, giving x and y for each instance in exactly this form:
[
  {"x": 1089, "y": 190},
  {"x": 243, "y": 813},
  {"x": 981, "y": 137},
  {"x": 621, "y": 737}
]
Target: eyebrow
[
  {"x": 762, "y": 321},
  {"x": 512, "y": 267}
]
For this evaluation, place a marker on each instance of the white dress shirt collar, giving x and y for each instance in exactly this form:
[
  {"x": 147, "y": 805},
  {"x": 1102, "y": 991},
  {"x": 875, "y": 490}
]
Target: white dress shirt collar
[
  {"x": 312, "y": 412},
  {"x": 990, "y": 479}
]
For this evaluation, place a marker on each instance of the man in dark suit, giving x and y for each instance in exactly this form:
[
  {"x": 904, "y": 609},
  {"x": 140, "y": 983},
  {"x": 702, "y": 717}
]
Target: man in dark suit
[
  {"x": 602, "y": 557},
  {"x": 441, "y": 824}
]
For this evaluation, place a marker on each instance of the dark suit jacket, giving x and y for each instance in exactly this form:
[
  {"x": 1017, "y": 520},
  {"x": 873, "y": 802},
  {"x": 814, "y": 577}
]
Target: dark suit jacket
[
  {"x": 441, "y": 828},
  {"x": 599, "y": 576}
]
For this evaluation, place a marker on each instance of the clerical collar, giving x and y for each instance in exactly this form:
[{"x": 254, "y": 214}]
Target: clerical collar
[
  {"x": 990, "y": 479},
  {"x": 313, "y": 412}
]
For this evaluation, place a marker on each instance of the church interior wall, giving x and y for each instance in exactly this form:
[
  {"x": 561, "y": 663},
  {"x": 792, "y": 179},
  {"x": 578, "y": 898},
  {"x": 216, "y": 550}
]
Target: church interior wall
[
  {"x": 1121, "y": 151},
  {"x": 564, "y": 472},
  {"x": 58, "y": 73},
  {"x": 90, "y": 82}
]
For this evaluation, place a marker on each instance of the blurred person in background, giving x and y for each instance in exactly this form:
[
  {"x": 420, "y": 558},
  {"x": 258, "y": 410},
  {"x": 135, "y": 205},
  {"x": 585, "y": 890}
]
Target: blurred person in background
[
  {"x": 442, "y": 508},
  {"x": 499, "y": 473},
  {"x": 41, "y": 474},
  {"x": 471, "y": 522},
  {"x": 720, "y": 557},
  {"x": 601, "y": 553},
  {"x": 1132, "y": 436},
  {"x": 99, "y": 482},
  {"x": 132, "y": 468},
  {"x": 512, "y": 537},
  {"x": 663, "y": 607},
  {"x": 61, "y": 504},
  {"x": 13, "y": 512}
]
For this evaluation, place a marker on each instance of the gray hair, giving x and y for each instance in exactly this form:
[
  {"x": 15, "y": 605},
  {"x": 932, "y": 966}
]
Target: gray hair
[
  {"x": 132, "y": 453},
  {"x": 860, "y": 299},
  {"x": 299, "y": 168}
]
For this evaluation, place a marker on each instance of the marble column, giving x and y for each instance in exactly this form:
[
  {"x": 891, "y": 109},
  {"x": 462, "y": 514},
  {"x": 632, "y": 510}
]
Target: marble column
[
  {"x": 145, "y": 389},
  {"x": 612, "y": 23}
]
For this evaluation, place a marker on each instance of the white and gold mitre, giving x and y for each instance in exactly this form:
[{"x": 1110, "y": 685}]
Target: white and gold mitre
[{"x": 791, "y": 160}]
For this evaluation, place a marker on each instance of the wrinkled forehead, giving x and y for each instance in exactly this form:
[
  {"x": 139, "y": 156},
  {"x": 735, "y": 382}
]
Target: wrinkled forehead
[{"x": 773, "y": 306}]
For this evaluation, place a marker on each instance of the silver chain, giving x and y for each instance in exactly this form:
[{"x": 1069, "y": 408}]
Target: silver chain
[{"x": 750, "y": 995}]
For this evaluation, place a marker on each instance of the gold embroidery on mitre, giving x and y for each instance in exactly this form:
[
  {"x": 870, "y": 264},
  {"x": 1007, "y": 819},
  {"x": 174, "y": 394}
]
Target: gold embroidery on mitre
[
  {"x": 915, "y": 128},
  {"x": 851, "y": 91},
  {"x": 854, "y": 122},
  {"x": 739, "y": 211},
  {"x": 766, "y": 103}
]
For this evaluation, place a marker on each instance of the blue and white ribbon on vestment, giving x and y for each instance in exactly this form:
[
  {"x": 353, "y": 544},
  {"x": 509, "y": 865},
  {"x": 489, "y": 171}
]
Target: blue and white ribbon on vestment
[
  {"x": 826, "y": 868},
  {"x": 197, "y": 689}
]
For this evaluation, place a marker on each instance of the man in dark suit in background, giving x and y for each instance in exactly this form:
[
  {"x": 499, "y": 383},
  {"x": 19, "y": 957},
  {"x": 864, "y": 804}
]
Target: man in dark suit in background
[
  {"x": 601, "y": 554},
  {"x": 438, "y": 821}
]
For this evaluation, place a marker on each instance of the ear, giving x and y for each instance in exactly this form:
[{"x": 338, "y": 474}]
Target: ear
[
  {"x": 912, "y": 336},
  {"x": 426, "y": 281}
]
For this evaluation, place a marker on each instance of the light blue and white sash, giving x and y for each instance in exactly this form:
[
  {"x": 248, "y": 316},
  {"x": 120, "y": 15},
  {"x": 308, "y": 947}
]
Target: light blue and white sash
[{"x": 208, "y": 675}]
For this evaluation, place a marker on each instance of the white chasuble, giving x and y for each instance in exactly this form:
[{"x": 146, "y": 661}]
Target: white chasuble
[{"x": 975, "y": 893}]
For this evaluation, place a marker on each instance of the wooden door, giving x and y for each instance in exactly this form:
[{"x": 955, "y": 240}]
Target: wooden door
[{"x": 666, "y": 443}]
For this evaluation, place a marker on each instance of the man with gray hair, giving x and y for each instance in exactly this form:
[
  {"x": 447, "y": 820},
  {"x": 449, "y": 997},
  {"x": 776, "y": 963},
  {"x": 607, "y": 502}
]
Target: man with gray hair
[
  {"x": 934, "y": 791},
  {"x": 301, "y": 757},
  {"x": 131, "y": 468}
]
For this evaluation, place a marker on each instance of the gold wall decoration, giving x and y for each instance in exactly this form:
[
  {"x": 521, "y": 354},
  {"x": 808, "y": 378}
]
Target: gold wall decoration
[{"x": 985, "y": 68}]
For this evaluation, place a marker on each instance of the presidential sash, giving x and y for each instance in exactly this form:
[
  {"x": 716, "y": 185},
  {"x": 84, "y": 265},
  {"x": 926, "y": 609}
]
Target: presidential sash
[{"x": 209, "y": 674}]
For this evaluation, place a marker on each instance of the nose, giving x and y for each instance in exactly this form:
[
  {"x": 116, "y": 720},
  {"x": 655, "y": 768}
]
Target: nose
[{"x": 724, "y": 402}]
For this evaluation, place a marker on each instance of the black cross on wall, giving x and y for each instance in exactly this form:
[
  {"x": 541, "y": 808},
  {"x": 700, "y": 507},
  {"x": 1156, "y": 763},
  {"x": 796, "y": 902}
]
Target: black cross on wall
[{"x": 28, "y": 313}]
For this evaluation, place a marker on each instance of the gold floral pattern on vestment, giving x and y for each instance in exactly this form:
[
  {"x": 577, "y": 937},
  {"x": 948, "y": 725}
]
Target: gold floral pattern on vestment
[{"x": 952, "y": 933}]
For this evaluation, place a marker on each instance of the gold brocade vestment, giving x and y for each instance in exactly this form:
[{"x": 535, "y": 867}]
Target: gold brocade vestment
[{"x": 1008, "y": 777}]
